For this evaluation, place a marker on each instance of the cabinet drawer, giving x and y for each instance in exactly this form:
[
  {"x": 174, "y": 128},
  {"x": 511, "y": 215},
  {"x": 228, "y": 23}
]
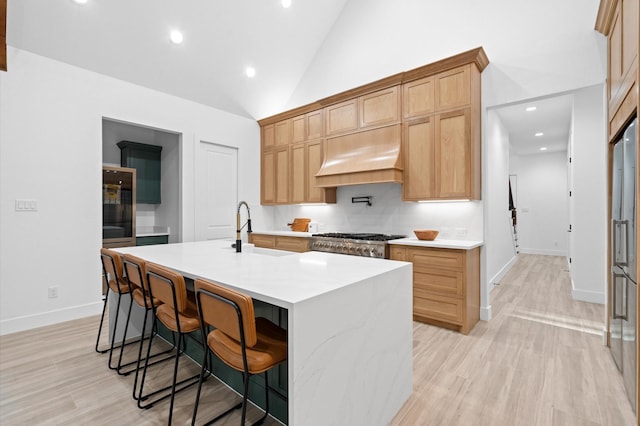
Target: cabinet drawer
[
  {"x": 425, "y": 258},
  {"x": 266, "y": 241},
  {"x": 296, "y": 244},
  {"x": 398, "y": 253},
  {"x": 438, "y": 307},
  {"x": 447, "y": 283}
]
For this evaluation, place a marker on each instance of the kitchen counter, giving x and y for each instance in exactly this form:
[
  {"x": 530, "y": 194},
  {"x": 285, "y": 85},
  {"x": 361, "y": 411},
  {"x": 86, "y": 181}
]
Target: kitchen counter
[
  {"x": 349, "y": 323},
  {"x": 438, "y": 243}
]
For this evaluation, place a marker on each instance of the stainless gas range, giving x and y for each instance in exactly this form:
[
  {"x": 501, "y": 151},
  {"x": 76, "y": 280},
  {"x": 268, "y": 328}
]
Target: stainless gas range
[{"x": 357, "y": 244}]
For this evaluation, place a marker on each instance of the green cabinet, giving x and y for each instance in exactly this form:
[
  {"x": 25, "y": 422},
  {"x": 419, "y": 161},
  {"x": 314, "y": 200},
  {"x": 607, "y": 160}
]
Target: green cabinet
[
  {"x": 146, "y": 160},
  {"x": 152, "y": 240}
]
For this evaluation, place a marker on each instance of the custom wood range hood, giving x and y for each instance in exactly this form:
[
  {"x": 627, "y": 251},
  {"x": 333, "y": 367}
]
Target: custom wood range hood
[{"x": 371, "y": 156}]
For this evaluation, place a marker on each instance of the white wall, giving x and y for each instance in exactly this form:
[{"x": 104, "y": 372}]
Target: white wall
[
  {"x": 534, "y": 48},
  {"x": 51, "y": 150},
  {"x": 589, "y": 199},
  {"x": 499, "y": 248},
  {"x": 543, "y": 202},
  {"x": 388, "y": 214}
]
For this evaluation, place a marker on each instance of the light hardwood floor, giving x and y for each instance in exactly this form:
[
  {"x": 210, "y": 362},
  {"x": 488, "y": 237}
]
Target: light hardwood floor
[{"x": 539, "y": 361}]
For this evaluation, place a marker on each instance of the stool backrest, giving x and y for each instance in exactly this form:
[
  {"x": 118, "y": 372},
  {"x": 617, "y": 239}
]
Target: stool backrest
[
  {"x": 136, "y": 270},
  {"x": 112, "y": 265},
  {"x": 217, "y": 307},
  {"x": 167, "y": 286}
]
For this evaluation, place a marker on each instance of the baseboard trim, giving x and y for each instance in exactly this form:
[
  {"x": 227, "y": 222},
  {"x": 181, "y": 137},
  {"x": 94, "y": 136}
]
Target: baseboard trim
[
  {"x": 543, "y": 252},
  {"x": 485, "y": 313},
  {"x": 502, "y": 272},
  {"x": 27, "y": 322},
  {"x": 588, "y": 296}
]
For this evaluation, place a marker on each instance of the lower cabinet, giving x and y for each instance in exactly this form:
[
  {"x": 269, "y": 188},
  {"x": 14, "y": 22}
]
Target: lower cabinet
[
  {"x": 280, "y": 242},
  {"x": 151, "y": 240},
  {"x": 446, "y": 285}
]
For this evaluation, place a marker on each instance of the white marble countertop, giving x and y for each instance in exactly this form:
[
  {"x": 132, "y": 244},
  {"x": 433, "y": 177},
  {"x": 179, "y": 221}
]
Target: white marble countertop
[
  {"x": 438, "y": 243},
  {"x": 151, "y": 231},
  {"x": 278, "y": 277},
  {"x": 285, "y": 233}
]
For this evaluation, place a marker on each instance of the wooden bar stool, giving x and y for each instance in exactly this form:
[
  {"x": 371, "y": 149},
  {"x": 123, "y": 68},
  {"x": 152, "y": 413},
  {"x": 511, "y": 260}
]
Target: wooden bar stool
[
  {"x": 136, "y": 272},
  {"x": 179, "y": 315},
  {"x": 112, "y": 269},
  {"x": 242, "y": 341}
]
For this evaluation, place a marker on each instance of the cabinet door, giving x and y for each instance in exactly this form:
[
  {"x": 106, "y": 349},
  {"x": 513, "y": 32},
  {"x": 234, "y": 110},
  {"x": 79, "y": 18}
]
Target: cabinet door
[
  {"x": 297, "y": 244},
  {"x": 419, "y": 160},
  {"x": 268, "y": 137},
  {"x": 418, "y": 98},
  {"x": 453, "y": 155},
  {"x": 146, "y": 160},
  {"x": 283, "y": 133},
  {"x": 342, "y": 117},
  {"x": 261, "y": 240},
  {"x": 268, "y": 189},
  {"x": 398, "y": 253},
  {"x": 315, "y": 125},
  {"x": 380, "y": 108},
  {"x": 282, "y": 175},
  {"x": 298, "y": 129},
  {"x": 453, "y": 88},
  {"x": 298, "y": 174}
]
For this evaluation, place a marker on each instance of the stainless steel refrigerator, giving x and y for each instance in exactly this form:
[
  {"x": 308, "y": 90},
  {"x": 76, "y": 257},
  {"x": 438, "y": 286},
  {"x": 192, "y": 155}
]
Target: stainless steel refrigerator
[{"x": 624, "y": 258}]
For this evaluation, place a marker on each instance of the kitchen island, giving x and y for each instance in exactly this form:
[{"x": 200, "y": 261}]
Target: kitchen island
[{"x": 349, "y": 323}]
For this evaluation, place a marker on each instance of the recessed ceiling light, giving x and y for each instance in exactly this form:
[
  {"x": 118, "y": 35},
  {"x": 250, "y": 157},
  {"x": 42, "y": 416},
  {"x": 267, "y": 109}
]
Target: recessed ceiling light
[
  {"x": 544, "y": 148},
  {"x": 531, "y": 108},
  {"x": 80, "y": 1},
  {"x": 539, "y": 134},
  {"x": 286, "y": 3},
  {"x": 250, "y": 72},
  {"x": 176, "y": 37}
]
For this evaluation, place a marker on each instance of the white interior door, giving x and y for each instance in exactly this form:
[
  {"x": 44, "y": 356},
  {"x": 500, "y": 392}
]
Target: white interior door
[{"x": 216, "y": 191}]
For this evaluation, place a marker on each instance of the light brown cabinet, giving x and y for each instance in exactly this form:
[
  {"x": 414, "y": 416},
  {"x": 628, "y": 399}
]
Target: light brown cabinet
[
  {"x": 446, "y": 285},
  {"x": 379, "y": 108},
  {"x": 436, "y": 108},
  {"x": 341, "y": 118},
  {"x": 274, "y": 180},
  {"x": 623, "y": 53},
  {"x": 267, "y": 178},
  {"x": 280, "y": 242},
  {"x": 306, "y": 160},
  {"x": 441, "y": 136},
  {"x": 308, "y": 126},
  {"x": 441, "y": 162},
  {"x": 281, "y": 168}
]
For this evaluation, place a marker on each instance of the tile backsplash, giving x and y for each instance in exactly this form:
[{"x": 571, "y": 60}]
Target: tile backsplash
[{"x": 388, "y": 214}]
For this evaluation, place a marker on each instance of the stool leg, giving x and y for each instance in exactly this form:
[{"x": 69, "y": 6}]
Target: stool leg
[
  {"x": 266, "y": 397},
  {"x": 124, "y": 337},
  {"x": 115, "y": 329},
  {"x": 104, "y": 308}
]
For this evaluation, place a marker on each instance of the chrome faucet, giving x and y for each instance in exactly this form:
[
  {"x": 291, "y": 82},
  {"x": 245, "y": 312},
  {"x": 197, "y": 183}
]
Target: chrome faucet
[{"x": 239, "y": 228}]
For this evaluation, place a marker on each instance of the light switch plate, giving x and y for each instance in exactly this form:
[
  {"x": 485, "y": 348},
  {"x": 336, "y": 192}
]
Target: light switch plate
[{"x": 26, "y": 205}]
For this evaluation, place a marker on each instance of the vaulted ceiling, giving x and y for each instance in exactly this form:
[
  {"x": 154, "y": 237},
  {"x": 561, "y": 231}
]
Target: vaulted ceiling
[{"x": 129, "y": 40}]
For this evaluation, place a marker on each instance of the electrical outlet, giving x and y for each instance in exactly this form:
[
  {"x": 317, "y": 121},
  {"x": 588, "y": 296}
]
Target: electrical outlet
[
  {"x": 53, "y": 292},
  {"x": 461, "y": 232}
]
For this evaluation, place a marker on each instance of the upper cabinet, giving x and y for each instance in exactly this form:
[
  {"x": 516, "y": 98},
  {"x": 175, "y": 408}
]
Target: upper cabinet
[
  {"x": 441, "y": 136},
  {"x": 342, "y": 117},
  {"x": 379, "y": 108},
  {"x": 618, "y": 20},
  {"x": 433, "y": 110},
  {"x": 146, "y": 160}
]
